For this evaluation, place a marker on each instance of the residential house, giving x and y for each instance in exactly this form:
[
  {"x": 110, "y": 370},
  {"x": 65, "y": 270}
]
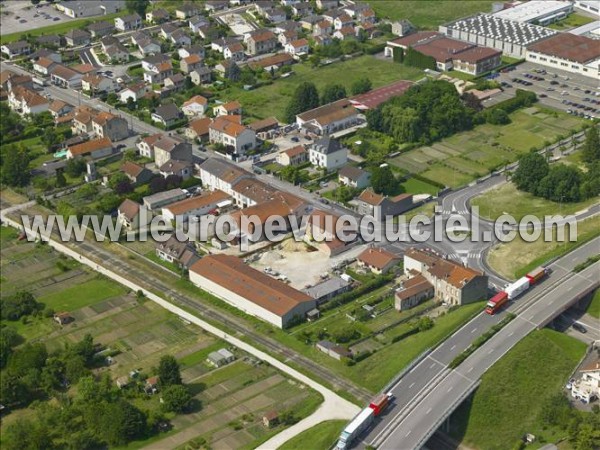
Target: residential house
[
  {"x": 17, "y": 48},
  {"x": 453, "y": 283},
  {"x": 354, "y": 177},
  {"x": 175, "y": 82},
  {"x": 44, "y": 66},
  {"x": 345, "y": 33},
  {"x": 322, "y": 28},
  {"x": 157, "y": 16},
  {"x": 186, "y": 11},
  {"x": 182, "y": 169},
  {"x": 97, "y": 84},
  {"x": 49, "y": 41},
  {"x": 264, "y": 128},
  {"x": 335, "y": 351},
  {"x": 156, "y": 201},
  {"x": 251, "y": 192},
  {"x": 342, "y": 21},
  {"x": 323, "y": 40},
  {"x": 234, "y": 51},
  {"x": 180, "y": 38},
  {"x": 215, "y": 5},
  {"x": 198, "y": 129},
  {"x": 413, "y": 292},
  {"x": 402, "y": 27},
  {"x": 287, "y": 36},
  {"x": 222, "y": 67},
  {"x": 195, "y": 23},
  {"x": 82, "y": 120},
  {"x": 230, "y": 133},
  {"x": 129, "y": 22},
  {"x": 209, "y": 32},
  {"x": 65, "y": 77},
  {"x": 298, "y": 47},
  {"x": 327, "y": 4},
  {"x": 136, "y": 173},
  {"x": 45, "y": 53},
  {"x": 293, "y": 156},
  {"x": 228, "y": 109},
  {"x": 25, "y": 101},
  {"x": 190, "y": 50},
  {"x": 177, "y": 252},
  {"x": 167, "y": 148},
  {"x": 366, "y": 15},
  {"x": 262, "y": 41},
  {"x": 134, "y": 91},
  {"x": 110, "y": 126},
  {"x": 10, "y": 80},
  {"x": 275, "y": 15},
  {"x": 378, "y": 260},
  {"x": 96, "y": 148},
  {"x": 587, "y": 387},
  {"x": 220, "y": 358},
  {"x": 196, "y": 206},
  {"x": 76, "y": 37},
  {"x": 152, "y": 63},
  {"x": 117, "y": 53},
  {"x": 159, "y": 74},
  {"x": 100, "y": 29},
  {"x": 167, "y": 114},
  {"x": 220, "y": 174},
  {"x": 166, "y": 30},
  {"x": 288, "y": 25},
  {"x": 322, "y": 232},
  {"x": 302, "y": 9},
  {"x": 190, "y": 63},
  {"x": 131, "y": 216},
  {"x": 307, "y": 23},
  {"x": 274, "y": 62},
  {"x": 148, "y": 47},
  {"x": 195, "y": 106},
  {"x": 381, "y": 207},
  {"x": 58, "y": 108},
  {"x": 328, "y": 153},
  {"x": 146, "y": 145},
  {"x": 329, "y": 118},
  {"x": 250, "y": 290},
  {"x": 201, "y": 75}
]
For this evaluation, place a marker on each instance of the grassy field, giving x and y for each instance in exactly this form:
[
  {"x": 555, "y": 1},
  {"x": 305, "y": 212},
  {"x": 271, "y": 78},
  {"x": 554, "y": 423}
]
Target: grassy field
[
  {"x": 512, "y": 393},
  {"x": 272, "y": 99},
  {"x": 321, "y": 436},
  {"x": 59, "y": 28},
  {"x": 84, "y": 294},
  {"x": 507, "y": 199},
  {"x": 429, "y": 14},
  {"x": 594, "y": 306},
  {"x": 414, "y": 186},
  {"x": 514, "y": 259},
  {"x": 572, "y": 21},
  {"x": 465, "y": 156}
]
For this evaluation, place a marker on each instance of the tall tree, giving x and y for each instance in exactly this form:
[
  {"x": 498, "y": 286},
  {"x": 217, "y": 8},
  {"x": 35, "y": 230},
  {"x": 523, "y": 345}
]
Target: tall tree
[
  {"x": 383, "y": 180},
  {"x": 591, "y": 148},
  {"x": 15, "y": 165},
  {"x": 332, "y": 93},
  {"x": 233, "y": 72},
  {"x": 176, "y": 398},
  {"x": 361, "y": 86},
  {"x": 305, "y": 97},
  {"x": 138, "y": 6},
  {"x": 533, "y": 167},
  {"x": 168, "y": 371}
]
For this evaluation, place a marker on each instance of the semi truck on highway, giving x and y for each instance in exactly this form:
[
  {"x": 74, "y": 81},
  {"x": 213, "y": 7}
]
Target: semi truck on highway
[
  {"x": 361, "y": 422},
  {"x": 513, "y": 290}
]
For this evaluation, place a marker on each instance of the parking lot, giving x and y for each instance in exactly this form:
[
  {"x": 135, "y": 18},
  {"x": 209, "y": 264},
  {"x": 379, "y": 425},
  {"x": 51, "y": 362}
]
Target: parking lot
[
  {"x": 558, "y": 89},
  {"x": 21, "y": 16}
]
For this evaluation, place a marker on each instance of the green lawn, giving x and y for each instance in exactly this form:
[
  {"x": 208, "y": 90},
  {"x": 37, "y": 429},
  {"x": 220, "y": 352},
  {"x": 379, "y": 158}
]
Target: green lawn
[
  {"x": 507, "y": 404},
  {"x": 59, "y": 28},
  {"x": 461, "y": 158},
  {"x": 414, "y": 186},
  {"x": 594, "y": 306},
  {"x": 319, "y": 437},
  {"x": 516, "y": 258},
  {"x": 429, "y": 14},
  {"x": 508, "y": 199},
  {"x": 572, "y": 21},
  {"x": 272, "y": 99},
  {"x": 84, "y": 294}
]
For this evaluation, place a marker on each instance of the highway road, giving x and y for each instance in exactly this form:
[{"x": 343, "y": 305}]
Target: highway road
[
  {"x": 434, "y": 366},
  {"x": 428, "y": 412}
]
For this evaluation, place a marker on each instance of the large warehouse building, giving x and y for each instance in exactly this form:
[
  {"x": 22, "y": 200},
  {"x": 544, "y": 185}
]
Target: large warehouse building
[
  {"x": 510, "y": 37},
  {"x": 250, "y": 290},
  {"x": 569, "y": 52},
  {"x": 539, "y": 12}
]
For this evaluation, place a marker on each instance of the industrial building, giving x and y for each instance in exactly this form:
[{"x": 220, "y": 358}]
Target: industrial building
[
  {"x": 250, "y": 290},
  {"x": 510, "y": 37},
  {"x": 537, "y": 12},
  {"x": 568, "y": 52}
]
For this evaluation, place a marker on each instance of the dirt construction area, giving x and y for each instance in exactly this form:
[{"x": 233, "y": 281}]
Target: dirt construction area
[{"x": 298, "y": 263}]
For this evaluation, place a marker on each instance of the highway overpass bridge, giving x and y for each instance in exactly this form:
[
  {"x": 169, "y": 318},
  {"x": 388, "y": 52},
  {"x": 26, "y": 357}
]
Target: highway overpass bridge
[{"x": 428, "y": 393}]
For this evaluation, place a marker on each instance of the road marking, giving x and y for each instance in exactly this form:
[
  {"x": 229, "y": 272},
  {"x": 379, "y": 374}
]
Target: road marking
[
  {"x": 410, "y": 387},
  {"x": 450, "y": 388},
  {"x": 453, "y": 347},
  {"x": 473, "y": 330},
  {"x": 470, "y": 369},
  {"x": 409, "y": 431},
  {"x": 428, "y": 411},
  {"x": 490, "y": 352},
  {"x": 511, "y": 333},
  {"x": 432, "y": 366}
]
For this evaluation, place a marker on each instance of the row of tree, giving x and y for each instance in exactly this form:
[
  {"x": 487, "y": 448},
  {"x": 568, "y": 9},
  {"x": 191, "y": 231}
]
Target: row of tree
[
  {"x": 560, "y": 182},
  {"x": 306, "y": 96}
]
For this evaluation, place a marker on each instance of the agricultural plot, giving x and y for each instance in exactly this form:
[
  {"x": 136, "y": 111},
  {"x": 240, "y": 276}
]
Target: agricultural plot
[{"x": 459, "y": 159}]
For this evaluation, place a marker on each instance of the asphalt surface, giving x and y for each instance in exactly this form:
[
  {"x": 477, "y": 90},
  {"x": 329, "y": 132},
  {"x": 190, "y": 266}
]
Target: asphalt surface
[{"x": 533, "y": 308}]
